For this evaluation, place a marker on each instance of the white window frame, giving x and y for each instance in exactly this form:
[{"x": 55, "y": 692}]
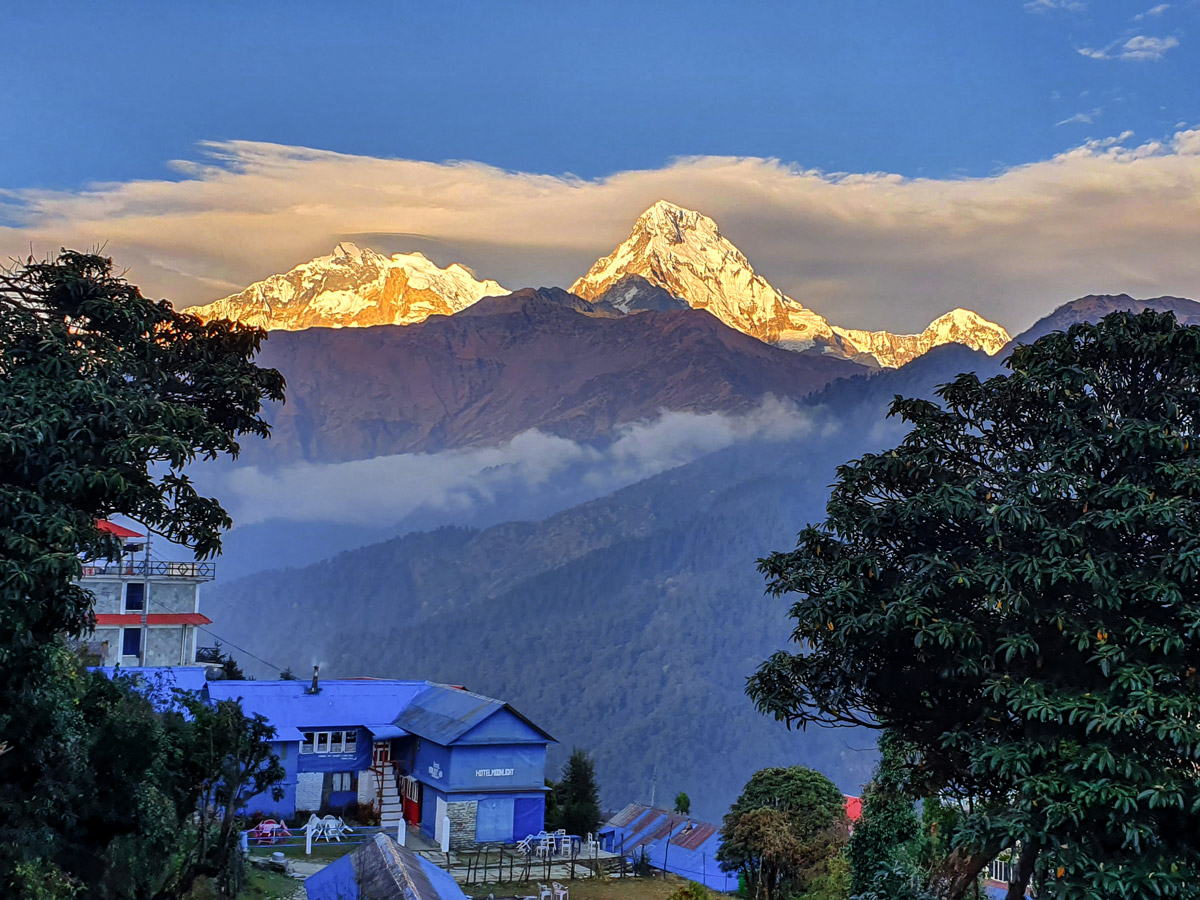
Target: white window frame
[
  {"x": 346, "y": 742},
  {"x": 125, "y": 598},
  {"x": 343, "y": 781}
]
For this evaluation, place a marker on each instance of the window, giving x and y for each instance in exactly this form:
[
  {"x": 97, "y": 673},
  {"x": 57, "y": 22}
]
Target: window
[
  {"x": 135, "y": 597},
  {"x": 343, "y": 781},
  {"x": 131, "y": 641},
  {"x": 329, "y": 742}
]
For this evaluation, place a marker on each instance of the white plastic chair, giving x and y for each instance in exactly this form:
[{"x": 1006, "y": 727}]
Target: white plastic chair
[
  {"x": 544, "y": 892},
  {"x": 560, "y": 892}
]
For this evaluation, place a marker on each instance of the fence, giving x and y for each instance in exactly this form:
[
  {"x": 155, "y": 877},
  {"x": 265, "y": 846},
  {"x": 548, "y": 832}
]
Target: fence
[
  {"x": 515, "y": 867},
  {"x": 154, "y": 567},
  {"x": 307, "y": 837}
]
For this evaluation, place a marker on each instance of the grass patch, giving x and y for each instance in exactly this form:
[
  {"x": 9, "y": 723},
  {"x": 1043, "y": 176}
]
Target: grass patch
[
  {"x": 321, "y": 852},
  {"x": 656, "y": 888},
  {"x": 263, "y": 884}
]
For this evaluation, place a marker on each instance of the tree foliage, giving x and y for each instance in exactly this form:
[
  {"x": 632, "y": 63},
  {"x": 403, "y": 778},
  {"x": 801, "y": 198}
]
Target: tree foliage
[
  {"x": 683, "y": 804},
  {"x": 576, "y": 796},
  {"x": 1013, "y": 590},
  {"x": 888, "y": 823},
  {"x": 105, "y": 397},
  {"x": 785, "y": 828}
]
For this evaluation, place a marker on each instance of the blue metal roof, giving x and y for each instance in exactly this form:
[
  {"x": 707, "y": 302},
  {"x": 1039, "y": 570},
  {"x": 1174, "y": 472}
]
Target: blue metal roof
[
  {"x": 670, "y": 841},
  {"x": 157, "y": 682},
  {"x": 443, "y": 714},
  {"x": 346, "y": 702}
]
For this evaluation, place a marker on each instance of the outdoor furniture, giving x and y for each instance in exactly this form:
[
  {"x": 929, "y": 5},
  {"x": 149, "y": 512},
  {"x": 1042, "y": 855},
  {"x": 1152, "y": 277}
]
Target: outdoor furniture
[
  {"x": 591, "y": 846},
  {"x": 544, "y": 892},
  {"x": 335, "y": 828},
  {"x": 525, "y": 845},
  {"x": 315, "y": 827},
  {"x": 566, "y": 843},
  {"x": 264, "y": 831},
  {"x": 546, "y": 846},
  {"x": 560, "y": 891}
]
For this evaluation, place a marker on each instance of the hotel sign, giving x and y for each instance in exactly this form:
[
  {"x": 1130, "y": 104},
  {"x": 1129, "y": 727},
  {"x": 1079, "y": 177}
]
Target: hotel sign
[{"x": 493, "y": 773}]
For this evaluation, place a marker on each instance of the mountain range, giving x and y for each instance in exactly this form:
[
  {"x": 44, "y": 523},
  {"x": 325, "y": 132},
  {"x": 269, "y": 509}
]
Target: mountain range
[
  {"x": 673, "y": 258},
  {"x": 627, "y": 622}
]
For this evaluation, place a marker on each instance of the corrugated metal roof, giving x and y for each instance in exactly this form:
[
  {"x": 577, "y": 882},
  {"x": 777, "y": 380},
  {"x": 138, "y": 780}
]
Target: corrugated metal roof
[
  {"x": 443, "y": 714},
  {"x": 382, "y": 870},
  {"x": 350, "y": 702},
  {"x": 693, "y": 838},
  {"x": 627, "y": 815}
]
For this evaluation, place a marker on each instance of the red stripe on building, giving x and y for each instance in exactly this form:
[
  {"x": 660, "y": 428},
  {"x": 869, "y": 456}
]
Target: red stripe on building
[
  {"x": 128, "y": 619},
  {"x": 114, "y": 528}
]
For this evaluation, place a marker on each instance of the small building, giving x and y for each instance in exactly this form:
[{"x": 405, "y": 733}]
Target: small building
[
  {"x": 382, "y": 870},
  {"x": 147, "y": 609},
  {"x": 411, "y": 750}
]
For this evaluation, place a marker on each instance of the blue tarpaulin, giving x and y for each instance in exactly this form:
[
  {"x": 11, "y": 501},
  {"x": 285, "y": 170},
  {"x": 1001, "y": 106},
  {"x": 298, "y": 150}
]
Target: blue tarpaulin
[{"x": 382, "y": 870}]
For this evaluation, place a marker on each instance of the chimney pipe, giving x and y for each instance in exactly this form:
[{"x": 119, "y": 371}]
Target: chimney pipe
[{"x": 316, "y": 687}]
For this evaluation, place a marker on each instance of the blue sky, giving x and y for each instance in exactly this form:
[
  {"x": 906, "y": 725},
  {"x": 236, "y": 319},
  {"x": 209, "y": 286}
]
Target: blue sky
[
  {"x": 112, "y": 91},
  {"x": 880, "y": 161}
]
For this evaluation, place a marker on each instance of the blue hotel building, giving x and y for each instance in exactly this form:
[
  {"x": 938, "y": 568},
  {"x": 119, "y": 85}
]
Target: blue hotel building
[{"x": 415, "y": 750}]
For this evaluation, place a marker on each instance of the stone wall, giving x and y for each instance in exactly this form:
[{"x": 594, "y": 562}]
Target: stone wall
[
  {"x": 308, "y": 791},
  {"x": 172, "y": 596},
  {"x": 462, "y": 823},
  {"x": 163, "y": 646},
  {"x": 109, "y": 595}
]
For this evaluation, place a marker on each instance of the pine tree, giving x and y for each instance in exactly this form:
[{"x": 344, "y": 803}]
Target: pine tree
[{"x": 577, "y": 796}]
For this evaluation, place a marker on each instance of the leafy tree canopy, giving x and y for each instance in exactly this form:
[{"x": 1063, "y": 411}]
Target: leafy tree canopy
[
  {"x": 1013, "y": 590},
  {"x": 784, "y": 828},
  {"x": 105, "y": 397},
  {"x": 683, "y": 804}
]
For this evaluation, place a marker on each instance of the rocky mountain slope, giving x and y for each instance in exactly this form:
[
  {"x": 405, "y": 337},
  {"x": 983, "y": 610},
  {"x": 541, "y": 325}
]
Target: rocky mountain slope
[
  {"x": 533, "y": 359},
  {"x": 353, "y": 287},
  {"x": 685, "y": 254}
]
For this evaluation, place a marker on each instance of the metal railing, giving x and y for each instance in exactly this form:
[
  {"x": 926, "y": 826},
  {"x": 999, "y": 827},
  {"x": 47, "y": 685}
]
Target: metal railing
[
  {"x": 210, "y": 655},
  {"x": 154, "y": 568}
]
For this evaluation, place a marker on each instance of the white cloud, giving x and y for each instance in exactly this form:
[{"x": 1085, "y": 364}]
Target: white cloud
[
  {"x": 869, "y": 250},
  {"x": 1141, "y": 48},
  {"x": 1152, "y": 12},
  {"x": 1083, "y": 118},
  {"x": 1045, "y": 6},
  {"x": 388, "y": 488}
]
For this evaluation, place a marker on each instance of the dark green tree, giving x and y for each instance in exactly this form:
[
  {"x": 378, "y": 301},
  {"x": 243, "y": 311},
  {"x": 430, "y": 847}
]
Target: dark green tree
[
  {"x": 888, "y": 825},
  {"x": 683, "y": 804},
  {"x": 1012, "y": 590},
  {"x": 105, "y": 397},
  {"x": 784, "y": 829},
  {"x": 577, "y": 798}
]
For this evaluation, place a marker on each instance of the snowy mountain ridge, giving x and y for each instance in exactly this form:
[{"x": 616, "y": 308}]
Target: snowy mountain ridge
[
  {"x": 684, "y": 253},
  {"x": 673, "y": 257},
  {"x": 351, "y": 288}
]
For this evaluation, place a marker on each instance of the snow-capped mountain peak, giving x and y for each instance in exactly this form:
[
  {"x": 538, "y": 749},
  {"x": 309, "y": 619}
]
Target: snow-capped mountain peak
[
  {"x": 959, "y": 326},
  {"x": 684, "y": 253},
  {"x": 353, "y": 287}
]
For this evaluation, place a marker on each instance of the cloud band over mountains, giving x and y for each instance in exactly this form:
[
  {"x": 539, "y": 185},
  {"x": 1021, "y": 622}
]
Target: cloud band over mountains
[
  {"x": 879, "y": 250},
  {"x": 388, "y": 488}
]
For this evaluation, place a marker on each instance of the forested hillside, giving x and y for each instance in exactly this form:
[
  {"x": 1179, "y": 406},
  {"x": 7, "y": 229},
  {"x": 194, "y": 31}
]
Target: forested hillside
[{"x": 626, "y": 625}]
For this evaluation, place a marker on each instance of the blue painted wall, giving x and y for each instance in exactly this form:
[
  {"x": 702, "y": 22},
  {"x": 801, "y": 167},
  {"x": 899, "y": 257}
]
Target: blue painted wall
[
  {"x": 288, "y": 753},
  {"x": 502, "y": 727},
  {"x": 492, "y": 767},
  {"x": 339, "y": 762},
  {"x": 483, "y": 766}
]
